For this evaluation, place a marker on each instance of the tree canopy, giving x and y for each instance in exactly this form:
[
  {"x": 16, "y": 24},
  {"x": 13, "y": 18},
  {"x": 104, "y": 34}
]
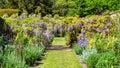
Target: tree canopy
[{"x": 62, "y": 7}]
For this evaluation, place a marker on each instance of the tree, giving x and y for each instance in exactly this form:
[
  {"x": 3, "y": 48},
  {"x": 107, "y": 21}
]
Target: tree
[{"x": 60, "y": 7}]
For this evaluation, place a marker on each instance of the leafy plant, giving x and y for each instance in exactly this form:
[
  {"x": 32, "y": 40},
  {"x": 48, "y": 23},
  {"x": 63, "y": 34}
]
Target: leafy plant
[
  {"x": 117, "y": 49},
  {"x": 86, "y": 53},
  {"x": 32, "y": 53},
  {"x": 92, "y": 60},
  {"x": 107, "y": 60},
  {"x": 12, "y": 61},
  {"x": 78, "y": 49}
]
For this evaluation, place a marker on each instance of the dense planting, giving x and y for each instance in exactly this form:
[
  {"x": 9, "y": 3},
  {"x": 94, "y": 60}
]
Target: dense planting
[
  {"x": 31, "y": 34},
  {"x": 62, "y": 7},
  {"x": 47, "y": 32}
]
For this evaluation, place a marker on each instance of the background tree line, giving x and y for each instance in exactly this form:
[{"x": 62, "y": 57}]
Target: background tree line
[{"x": 62, "y": 7}]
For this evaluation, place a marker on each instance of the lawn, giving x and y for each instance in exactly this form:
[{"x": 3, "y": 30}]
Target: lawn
[
  {"x": 59, "y": 41},
  {"x": 60, "y": 59}
]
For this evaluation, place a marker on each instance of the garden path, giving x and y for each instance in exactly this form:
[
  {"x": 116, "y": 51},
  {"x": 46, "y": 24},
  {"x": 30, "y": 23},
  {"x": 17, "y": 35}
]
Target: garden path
[{"x": 59, "y": 56}]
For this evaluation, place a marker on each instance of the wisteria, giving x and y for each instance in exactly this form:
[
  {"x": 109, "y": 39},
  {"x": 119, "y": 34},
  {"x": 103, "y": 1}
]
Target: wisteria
[
  {"x": 42, "y": 25},
  {"x": 36, "y": 32},
  {"x": 79, "y": 25},
  {"x": 69, "y": 29},
  {"x": 33, "y": 26},
  {"x": 47, "y": 34}
]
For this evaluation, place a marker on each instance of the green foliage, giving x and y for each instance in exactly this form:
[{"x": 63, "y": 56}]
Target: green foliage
[
  {"x": 88, "y": 7},
  {"x": 71, "y": 38},
  {"x": 1, "y": 41},
  {"x": 78, "y": 49},
  {"x": 104, "y": 44},
  {"x": 107, "y": 60},
  {"x": 117, "y": 49},
  {"x": 1, "y": 58},
  {"x": 21, "y": 39},
  {"x": 62, "y": 7},
  {"x": 8, "y": 63},
  {"x": 32, "y": 53},
  {"x": 86, "y": 53},
  {"x": 52, "y": 38},
  {"x": 92, "y": 60},
  {"x": 8, "y": 11},
  {"x": 101, "y": 44}
]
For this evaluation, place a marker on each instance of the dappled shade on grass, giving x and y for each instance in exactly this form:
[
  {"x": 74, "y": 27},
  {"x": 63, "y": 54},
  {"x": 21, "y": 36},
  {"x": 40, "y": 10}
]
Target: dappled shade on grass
[{"x": 60, "y": 59}]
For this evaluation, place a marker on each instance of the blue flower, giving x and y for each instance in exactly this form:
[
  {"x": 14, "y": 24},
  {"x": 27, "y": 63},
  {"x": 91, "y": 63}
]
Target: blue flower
[{"x": 83, "y": 42}]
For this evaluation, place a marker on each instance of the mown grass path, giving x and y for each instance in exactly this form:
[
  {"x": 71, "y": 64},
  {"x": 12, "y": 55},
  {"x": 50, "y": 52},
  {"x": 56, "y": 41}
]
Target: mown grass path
[
  {"x": 60, "y": 58},
  {"x": 59, "y": 41}
]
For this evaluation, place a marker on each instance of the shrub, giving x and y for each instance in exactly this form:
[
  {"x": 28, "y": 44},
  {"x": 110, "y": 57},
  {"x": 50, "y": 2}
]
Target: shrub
[
  {"x": 70, "y": 38},
  {"x": 1, "y": 58},
  {"x": 117, "y": 50},
  {"x": 107, "y": 60},
  {"x": 92, "y": 60},
  {"x": 8, "y": 11},
  {"x": 12, "y": 61},
  {"x": 86, "y": 53},
  {"x": 22, "y": 39},
  {"x": 86, "y": 7},
  {"x": 78, "y": 49},
  {"x": 32, "y": 53},
  {"x": 51, "y": 38}
]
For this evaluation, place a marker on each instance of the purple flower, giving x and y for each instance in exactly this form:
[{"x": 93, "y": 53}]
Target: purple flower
[
  {"x": 83, "y": 42},
  {"x": 55, "y": 29},
  {"x": 33, "y": 25},
  {"x": 60, "y": 26},
  {"x": 79, "y": 25},
  {"x": 69, "y": 29},
  {"x": 47, "y": 34},
  {"x": 36, "y": 32},
  {"x": 42, "y": 25}
]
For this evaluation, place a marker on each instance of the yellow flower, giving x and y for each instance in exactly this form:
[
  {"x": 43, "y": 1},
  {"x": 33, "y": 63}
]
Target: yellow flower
[{"x": 91, "y": 43}]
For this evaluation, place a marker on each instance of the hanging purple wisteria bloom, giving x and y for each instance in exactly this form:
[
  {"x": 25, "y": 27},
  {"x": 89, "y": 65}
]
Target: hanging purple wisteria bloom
[
  {"x": 79, "y": 25},
  {"x": 33, "y": 26},
  {"x": 47, "y": 34},
  {"x": 69, "y": 29},
  {"x": 36, "y": 32},
  {"x": 42, "y": 25}
]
